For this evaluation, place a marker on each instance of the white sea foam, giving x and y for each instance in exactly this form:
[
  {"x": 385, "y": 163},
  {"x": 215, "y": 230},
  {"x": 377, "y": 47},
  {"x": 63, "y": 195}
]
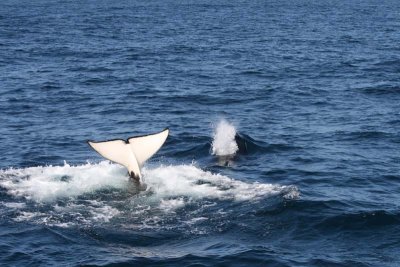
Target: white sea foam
[
  {"x": 45, "y": 184},
  {"x": 50, "y": 182},
  {"x": 192, "y": 182},
  {"x": 26, "y": 216},
  {"x": 171, "y": 204},
  {"x": 104, "y": 213},
  {"x": 169, "y": 189},
  {"x": 224, "y": 143},
  {"x": 14, "y": 205}
]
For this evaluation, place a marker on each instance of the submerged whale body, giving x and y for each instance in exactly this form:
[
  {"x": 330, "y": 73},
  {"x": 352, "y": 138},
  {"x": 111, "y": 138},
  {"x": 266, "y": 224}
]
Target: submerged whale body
[
  {"x": 244, "y": 145},
  {"x": 133, "y": 152}
]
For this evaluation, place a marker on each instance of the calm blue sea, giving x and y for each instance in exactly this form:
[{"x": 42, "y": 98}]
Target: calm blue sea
[{"x": 306, "y": 93}]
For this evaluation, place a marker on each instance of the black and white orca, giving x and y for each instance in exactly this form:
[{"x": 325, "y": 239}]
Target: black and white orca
[{"x": 133, "y": 152}]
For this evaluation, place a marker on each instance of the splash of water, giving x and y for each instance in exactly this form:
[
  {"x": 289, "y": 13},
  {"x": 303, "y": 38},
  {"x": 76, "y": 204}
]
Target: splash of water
[
  {"x": 190, "y": 181},
  {"x": 224, "y": 143},
  {"x": 98, "y": 193},
  {"x": 47, "y": 183}
]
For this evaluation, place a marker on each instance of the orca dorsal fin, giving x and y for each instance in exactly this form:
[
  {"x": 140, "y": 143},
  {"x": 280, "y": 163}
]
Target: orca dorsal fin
[{"x": 132, "y": 153}]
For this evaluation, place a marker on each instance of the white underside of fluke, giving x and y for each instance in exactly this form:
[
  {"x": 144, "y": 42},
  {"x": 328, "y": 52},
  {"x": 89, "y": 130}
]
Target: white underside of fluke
[{"x": 131, "y": 153}]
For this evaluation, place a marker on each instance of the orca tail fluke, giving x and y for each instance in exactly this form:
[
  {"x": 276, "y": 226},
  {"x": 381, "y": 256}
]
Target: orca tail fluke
[{"x": 131, "y": 153}]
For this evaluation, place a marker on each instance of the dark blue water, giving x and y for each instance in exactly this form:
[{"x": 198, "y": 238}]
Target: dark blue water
[{"x": 312, "y": 89}]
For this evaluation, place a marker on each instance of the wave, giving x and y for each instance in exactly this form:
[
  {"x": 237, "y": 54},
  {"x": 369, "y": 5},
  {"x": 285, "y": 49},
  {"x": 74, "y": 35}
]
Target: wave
[
  {"x": 249, "y": 145},
  {"x": 101, "y": 193},
  {"x": 330, "y": 217},
  {"x": 190, "y": 181},
  {"x": 366, "y": 220},
  {"x": 381, "y": 90},
  {"x": 365, "y": 135},
  {"x": 47, "y": 183}
]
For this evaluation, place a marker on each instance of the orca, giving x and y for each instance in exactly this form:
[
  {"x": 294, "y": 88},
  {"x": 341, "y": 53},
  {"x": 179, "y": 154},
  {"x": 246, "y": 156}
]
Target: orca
[
  {"x": 227, "y": 160},
  {"x": 131, "y": 153}
]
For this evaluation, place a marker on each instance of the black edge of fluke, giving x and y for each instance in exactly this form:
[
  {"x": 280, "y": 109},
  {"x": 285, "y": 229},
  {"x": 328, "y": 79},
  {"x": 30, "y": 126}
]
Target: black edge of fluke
[
  {"x": 127, "y": 140},
  {"x": 166, "y": 129},
  {"x": 110, "y": 140}
]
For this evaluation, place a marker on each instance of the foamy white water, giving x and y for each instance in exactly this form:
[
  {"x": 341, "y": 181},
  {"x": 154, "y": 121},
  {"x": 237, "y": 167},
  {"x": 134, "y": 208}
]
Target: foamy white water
[
  {"x": 51, "y": 182},
  {"x": 190, "y": 181},
  {"x": 169, "y": 188},
  {"x": 47, "y": 183},
  {"x": 224, "y": 143}
]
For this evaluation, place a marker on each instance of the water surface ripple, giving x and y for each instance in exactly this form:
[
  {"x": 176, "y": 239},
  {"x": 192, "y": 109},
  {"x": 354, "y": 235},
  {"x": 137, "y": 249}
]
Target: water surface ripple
[{"x": 311, "y": 89}]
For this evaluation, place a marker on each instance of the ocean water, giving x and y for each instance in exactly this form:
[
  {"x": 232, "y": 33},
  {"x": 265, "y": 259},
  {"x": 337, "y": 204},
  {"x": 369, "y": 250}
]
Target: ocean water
[{"x": 285, "y": 132}]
